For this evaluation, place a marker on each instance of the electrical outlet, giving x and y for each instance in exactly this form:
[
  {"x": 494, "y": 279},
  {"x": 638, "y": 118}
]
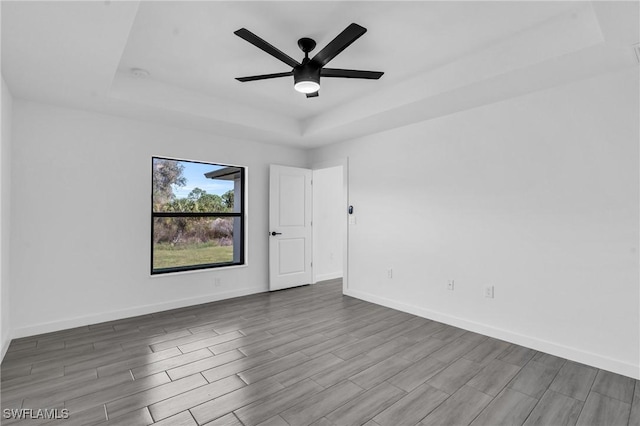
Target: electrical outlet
[
  {"x": 450, "y": 285},
  {"x": 488, "y": 291},
  {"x": 389, "y": 273},
  {"x": 217, "y": 281}
]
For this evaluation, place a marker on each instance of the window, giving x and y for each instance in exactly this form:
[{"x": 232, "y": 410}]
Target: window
[{"x": 197, "y": 215}]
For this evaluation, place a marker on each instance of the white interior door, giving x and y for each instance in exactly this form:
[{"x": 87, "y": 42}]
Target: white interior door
[{"x": 290, "y": 211}]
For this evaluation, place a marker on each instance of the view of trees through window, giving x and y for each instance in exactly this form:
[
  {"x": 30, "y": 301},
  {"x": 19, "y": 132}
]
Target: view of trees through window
[{"x": 197, "y": 215}]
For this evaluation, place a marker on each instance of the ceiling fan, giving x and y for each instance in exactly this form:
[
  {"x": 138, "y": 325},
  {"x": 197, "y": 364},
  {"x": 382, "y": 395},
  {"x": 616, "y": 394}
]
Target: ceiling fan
[{"x": 306, "y": 75}]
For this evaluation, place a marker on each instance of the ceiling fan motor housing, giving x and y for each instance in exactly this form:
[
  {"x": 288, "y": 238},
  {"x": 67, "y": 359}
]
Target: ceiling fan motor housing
[{"x": 306, "y": 75}]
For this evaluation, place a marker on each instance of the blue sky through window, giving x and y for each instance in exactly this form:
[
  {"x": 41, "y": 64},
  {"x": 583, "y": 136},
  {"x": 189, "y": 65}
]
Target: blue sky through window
[{"x": 194, "y": 173}]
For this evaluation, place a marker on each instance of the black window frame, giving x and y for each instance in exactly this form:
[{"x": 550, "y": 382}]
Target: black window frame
[{"x": 240, "y": 215}]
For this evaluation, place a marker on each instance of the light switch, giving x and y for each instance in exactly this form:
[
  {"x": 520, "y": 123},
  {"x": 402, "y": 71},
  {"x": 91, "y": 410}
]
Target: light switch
[{"x": 352, "y": 220}]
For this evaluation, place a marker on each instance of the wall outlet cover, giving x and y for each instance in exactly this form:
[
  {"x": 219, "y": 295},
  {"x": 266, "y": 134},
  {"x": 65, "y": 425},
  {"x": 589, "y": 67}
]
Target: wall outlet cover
[{"x": 488, "y": 291}]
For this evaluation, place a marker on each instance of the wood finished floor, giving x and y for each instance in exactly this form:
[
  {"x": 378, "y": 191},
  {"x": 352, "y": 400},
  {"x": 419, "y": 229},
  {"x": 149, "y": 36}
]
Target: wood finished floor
[{"x": 303, "y": 356}]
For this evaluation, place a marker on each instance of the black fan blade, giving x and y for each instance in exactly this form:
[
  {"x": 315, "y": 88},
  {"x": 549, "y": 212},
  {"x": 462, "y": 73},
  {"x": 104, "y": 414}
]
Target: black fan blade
[
  {"x": 335, "y": 72},
  {"x": 312, "y": 95},
  {"x": 338, "y": 44},
  {"x": 261, "y": 44},
  {"x": 265, "y": 76}
]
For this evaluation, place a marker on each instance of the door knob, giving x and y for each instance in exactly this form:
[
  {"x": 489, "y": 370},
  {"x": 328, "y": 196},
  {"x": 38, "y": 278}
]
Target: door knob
[{"x": 274, "y": 233}]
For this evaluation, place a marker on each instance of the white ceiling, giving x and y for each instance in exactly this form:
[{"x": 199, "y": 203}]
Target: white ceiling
[{"x": 438, "y": 58}]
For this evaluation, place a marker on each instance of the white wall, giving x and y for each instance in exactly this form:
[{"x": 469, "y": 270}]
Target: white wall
[
  {"x": 328, "y": 217},
  {"x": 5, "y": 203},
  {"x": 537, "y": 196},
  {"x": 81, "y": 217}
]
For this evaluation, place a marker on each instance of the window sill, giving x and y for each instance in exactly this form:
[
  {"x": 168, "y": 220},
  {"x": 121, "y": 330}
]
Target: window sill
[{"x": 198, "y": 271}]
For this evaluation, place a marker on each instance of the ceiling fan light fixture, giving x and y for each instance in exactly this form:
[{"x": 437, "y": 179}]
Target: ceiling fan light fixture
[
  {"x": 306, "y": 86},
  {"x": 306, "y": 78}
]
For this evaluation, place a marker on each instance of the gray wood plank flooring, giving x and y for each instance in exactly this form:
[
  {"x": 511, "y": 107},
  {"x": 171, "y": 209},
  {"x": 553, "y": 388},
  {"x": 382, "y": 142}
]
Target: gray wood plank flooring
[{"x": 303, "y": 356}]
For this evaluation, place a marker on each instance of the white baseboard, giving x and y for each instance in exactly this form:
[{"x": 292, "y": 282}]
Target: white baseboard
[
  {"x": 49, "y": 327},
  {"x": 325, "y": 277},
  {"x": 574, "y": 354}
]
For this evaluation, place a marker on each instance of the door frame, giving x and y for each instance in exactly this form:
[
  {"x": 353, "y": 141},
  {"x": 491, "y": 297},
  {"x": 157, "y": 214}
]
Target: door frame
[{"x": 344, "y": 162}]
